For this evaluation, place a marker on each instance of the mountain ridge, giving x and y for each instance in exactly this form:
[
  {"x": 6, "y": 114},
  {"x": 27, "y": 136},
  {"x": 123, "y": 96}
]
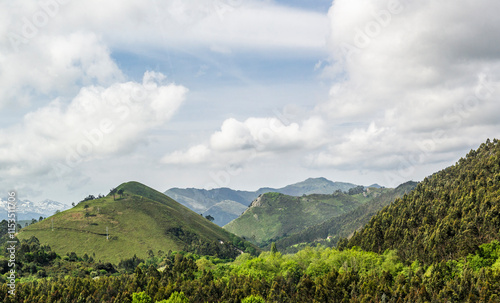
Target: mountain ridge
[
  {"x": 27, "y": 210},
  {"x": 330, "y": 231},
  {"x": 202, "y": 200},
  {"x": 274, "y": 215}
]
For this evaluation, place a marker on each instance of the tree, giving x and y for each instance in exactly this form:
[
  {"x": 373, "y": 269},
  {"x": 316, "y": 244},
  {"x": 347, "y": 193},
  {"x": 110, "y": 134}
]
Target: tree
[
  {"x": 176, "y": 297},
  {"x": 274, "y": 250},
  {"x": 120, "y": 192},
  {"x": 253, "y": 299},
  {"x": 113, "y": 192},
  {"x": 141, "y": 297}
]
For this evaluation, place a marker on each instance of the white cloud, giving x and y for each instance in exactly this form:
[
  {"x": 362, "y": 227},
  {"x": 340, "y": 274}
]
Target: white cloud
[
  {"x": 238, "y": 142},
  {"x": 422, "y": 78},
  {"x": 54, "y": 65},
  {"x": 197, "y": 23},
  {"x": 194, "y": 155},
  {"x": 100, "y": 122}
]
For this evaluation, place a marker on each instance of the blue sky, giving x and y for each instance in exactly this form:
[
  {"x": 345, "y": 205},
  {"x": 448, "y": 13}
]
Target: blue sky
[{"x": 241, "y": 94}]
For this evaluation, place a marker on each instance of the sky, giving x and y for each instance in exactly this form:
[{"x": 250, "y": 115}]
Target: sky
[{"x": 241, "y": 94}]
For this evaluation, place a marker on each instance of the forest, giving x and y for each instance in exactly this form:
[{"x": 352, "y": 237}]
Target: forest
[{"x": 314, "y": 274}]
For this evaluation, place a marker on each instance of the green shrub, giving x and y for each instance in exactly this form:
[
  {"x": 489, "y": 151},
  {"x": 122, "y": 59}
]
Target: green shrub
[
  {"x": 253, "y": 299},
  {"x": 176, "y": 297},
  {"x": 141, "y": 297}
]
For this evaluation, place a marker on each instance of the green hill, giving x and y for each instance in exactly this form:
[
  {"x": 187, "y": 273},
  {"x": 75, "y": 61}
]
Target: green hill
[
  {"x": 274, "y": 215},
  {"x": 330, "y": 231},
  {"x": 142, "y": 219},
  {"x": 447, "y": 216}
]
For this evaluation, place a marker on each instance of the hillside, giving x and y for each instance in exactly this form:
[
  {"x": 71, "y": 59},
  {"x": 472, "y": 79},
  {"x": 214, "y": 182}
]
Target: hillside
[
  {"x": 143, "y": 219},
  {"x": 208, "y": 202},
  {"x": 330, "y": 231},
  {"x": 447, "y": 216},
  {"x": 275, "y": 215}
]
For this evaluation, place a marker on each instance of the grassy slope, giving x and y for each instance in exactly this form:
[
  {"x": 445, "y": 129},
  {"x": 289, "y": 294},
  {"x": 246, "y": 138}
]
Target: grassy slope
[
  {"x": 136, "y": 224},
  {"x": 275, "y": 215}
]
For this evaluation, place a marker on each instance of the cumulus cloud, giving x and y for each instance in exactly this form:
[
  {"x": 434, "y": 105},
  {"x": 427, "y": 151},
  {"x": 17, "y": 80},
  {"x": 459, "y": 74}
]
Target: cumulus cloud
[
  {"x": 99, "y": 122},
  {"x": 54, "y": 66},
  {"x": 237, "y": 141},
  {"x": 418, "y": 81}
]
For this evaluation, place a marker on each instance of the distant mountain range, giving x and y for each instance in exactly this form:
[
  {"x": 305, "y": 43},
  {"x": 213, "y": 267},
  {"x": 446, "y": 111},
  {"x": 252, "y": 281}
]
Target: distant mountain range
[
  {"x": 225, "y": 204},
  {"x": 27, "y": 210}
]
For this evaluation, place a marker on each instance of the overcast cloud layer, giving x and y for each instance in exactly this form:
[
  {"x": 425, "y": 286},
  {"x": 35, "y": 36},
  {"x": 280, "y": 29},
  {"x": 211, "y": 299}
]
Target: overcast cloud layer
[{"x": 413, "y": 86}]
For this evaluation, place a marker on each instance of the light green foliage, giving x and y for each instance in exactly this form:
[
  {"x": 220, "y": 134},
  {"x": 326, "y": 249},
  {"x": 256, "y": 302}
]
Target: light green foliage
[
  {"x": 487, "y": 255},
  {"x": 141, "y": 297},
  {"x": 315, "y": 262},
  {"x": 176, "y": 297},
  {"x": 204, "y": 264},
  {"x": 253, "y": 299}
]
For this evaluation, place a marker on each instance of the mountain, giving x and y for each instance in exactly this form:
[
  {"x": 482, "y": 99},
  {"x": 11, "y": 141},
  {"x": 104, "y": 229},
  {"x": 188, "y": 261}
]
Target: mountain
[
  {"x": 447, "y": 216},
  {"x": 331, "y": 230},
  {"x": 275, "y": 215},
  {"x": 141, "y": 219},
  {"x": 313, "y": 186},
  {"x": 27, "y": 210},
  {"x": 208, "y": 202}
]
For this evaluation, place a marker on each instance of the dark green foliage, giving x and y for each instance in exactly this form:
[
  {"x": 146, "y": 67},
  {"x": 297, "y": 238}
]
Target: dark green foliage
[
  {"x": 88, "y": 198},
  {"x": 356, "y": 190},
  {"x": 447, "y": 216},
  {"x": 129, "y": 265}
]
